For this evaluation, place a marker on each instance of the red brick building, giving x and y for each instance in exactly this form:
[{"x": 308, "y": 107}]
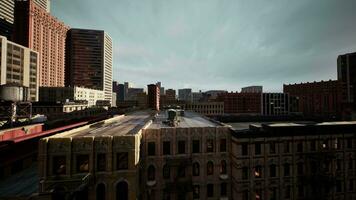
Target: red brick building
[
  {"x": 153, "y": 96},
  {"x": 319, "y": 99},
  {"x": 37, "y": 29},
  {"x": 241, "y": 103}
]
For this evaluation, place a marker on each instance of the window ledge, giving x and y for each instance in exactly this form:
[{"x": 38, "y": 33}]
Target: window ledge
[
  {"x": 151, "y": 183},
  {"x": 224, "y": 176}
]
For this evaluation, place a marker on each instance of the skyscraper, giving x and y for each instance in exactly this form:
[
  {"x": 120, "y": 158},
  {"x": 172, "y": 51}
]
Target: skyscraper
[
  {"x": 89, "y": 60},
  {"x": 36, "y": 29},
  {"x": 6, "y": 17},
  {"x": 153, "y": 96},
  {"x": 45, "y": 4},
  {"x": 346, "y": 72}
]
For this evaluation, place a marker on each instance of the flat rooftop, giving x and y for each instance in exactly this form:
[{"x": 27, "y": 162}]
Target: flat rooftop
[
  {"x": 129, "y": 124},
  {"x": 190, "y": 119}
]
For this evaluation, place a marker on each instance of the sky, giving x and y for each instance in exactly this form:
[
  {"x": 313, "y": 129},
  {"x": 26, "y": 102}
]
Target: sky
[{"x": 219, "y": 44}]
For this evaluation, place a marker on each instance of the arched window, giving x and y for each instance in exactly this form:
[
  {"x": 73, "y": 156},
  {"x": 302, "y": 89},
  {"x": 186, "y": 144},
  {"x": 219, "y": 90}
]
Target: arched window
[
  {"x": 210, "y": 168},
  {"x": 166, "y": 172},
  {"x": 122, "y": 191},
  {"x": 151, "y": 173},
  {"x": 196, "y": 169},
  {"x": 223, "y": 167},
  {"x": 100, "y": 192}
]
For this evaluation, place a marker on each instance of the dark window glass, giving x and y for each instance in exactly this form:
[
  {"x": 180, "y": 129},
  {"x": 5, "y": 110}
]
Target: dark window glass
[
  {"x": 313, "y": 145},
  {"x": 196, "y": 169},
  {"x": 244, "y": 149},
  {"x": 101, "y": 162},
  {"x": 222, "y": 145},
  {"x": 210, "y": 168},
  {"x": 287, "y": 192},
  {"x": 166, "y": 172},
  {"x": 338, "y": 186},
  {"x": 245, "y": 195},
  {"x": 223, "y": 189},
  {"x": 286, "y": 147},
  {"x": 300, "y": 169},
  {"x": 300, "y": 189},
  {"x": 210, "y": 146},
  {"x": 100, "y": 192},
  {"x": 300, "y": 147},
  {"x": 151, "y": 148},
  {"x": 151, "y": 174},
  {"x": 257, "y": 148},
  {"x": 196, "y": 146},
  {"x": 59, "y": 165},
  {"x": 122, "y": 161},
  {"x": 286, "y": 167},
  {"x": 258, "y": 171},
  {"x": 272, "y": 170},
  {"x": 349, "y": 143},
  {"x": 196, "y": 192},
  {"x": 272, "y": 148},
  {"x": 258, "y": 194},
  {"x": 181, "y": 147},
  {"x": 82, "y": 163},
  {"x": 244, "y": 173},
  {"x": 166, "y": 148},
  {"x": 210, "y": 190},
  {"x": 181, "y": 171},
  {"x": 223, "y": 167}
]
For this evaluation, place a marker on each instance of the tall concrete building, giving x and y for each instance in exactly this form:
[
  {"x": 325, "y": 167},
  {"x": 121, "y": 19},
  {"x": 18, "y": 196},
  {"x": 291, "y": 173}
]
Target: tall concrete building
[
  {"x": 37, "y": 29},
  {"x": 44, "y": 4},
  {"x": 346, "y": 72},
  {"x": 153, "y": 96},
  {"x": 89, "y": 60},
  {"x": 6, "y": 18},
  {"x": 185, "y": 95},
  {"x": 19, "y": 65}
]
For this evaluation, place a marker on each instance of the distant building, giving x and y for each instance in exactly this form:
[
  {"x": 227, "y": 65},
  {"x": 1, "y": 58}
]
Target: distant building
[
  {"x": 34, "y": 27},
  {"x": 275, "y": 104},
  {"x": 170, "y": 95},
  {"x": 185, "y": 95},
  {"x": 127, "y": 85},
  {"x": 252, "y": 89},
  {"x": 44, "y": 4},
  {"x": 113, "y": 101},
  {"x": 197, "y": 96},
  {"x": 19, "y": 65},
  {"x": 54, "y": 109},
  {"x": 65, "y": 94},
  {"x": 132, "y": 93},
  {"x": 115, "y": 88},
  {"x": 346, "y": 72},
  {"x": 121, "y": 94},
  {"x": 241, "y": 103},
  {"x": 323, "y": 99},
  {"x": 7, "y": 18},
  {"x": 294, "y": 161},
  {"x": 89, "y": 60},
  {"x": 141, "y": 99},
  {"x": 153, "y": 96},
  {"x": 206, "y": 108}
]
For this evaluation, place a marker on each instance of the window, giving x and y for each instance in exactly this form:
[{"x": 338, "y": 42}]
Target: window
[
  {"x": 151, "y": 148},
  {"x": 338, "y": 186},
  {"x": 244, "y": 173},
  {"x": 122, "y": 189},
  {"x": 349, "y": 143},
  {"x": 223, "y": 167},
  {"x": 300, "y": 147},
  {"x": 258, "y": 194},
  {"x": 287, "y": 192},
  {"x": 100, "y": 192},
  {"x": 313, "y": 167},
  {"x": 258, "y": 171},
  {"x": 245, "y": 195},
  {"x": 210, "y": 168},
  {"x": 122, "y": 161},
  {"x": 181, "y": 171},
  {"x": 210, "y": 146},
  {"x": 338, "y": 165},
  {"x": 166, "y": 148},
  {"x": 325, "y": 144},
  {"x": 286, "y": 147},
  {"x": 196, "y": 146},
  {"x": 272, "y": 170},
  {"x": 257, "y": 148},
  {"x": 222, "y": 145},
  {"x": 300, "y": 189},
  {"x": 272, "y": 148},
  {"x": 244, "y": 149},
  {"x": 196, "y": 169},
  {"x": 181, "y": 147},
  {"x": 151, "y": 176},
  {"x": 166, "y": 172},
  {"x": 101, "y": 162},
  {"x": 286, "y": 169},
  {"x": 223, "y": 189},
  {"x": 350, "y": 165},
  {"x": 313, "y": 145},
  {"x": 351, "y": 185},
  {"x": 273, "y": 193},
  {"x": 210, "y": 190},
  {"x": 300, "y": 169},
  {"x": 59, "y": 165},
  {"x": 196, "y": 192},
  {"x": 82, "y": 162}
]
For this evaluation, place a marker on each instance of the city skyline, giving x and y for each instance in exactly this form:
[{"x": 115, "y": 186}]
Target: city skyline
[{"x": 219, "y": 44}]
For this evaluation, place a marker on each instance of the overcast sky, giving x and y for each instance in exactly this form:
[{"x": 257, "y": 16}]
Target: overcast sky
[{"x": 219, "y": 44}]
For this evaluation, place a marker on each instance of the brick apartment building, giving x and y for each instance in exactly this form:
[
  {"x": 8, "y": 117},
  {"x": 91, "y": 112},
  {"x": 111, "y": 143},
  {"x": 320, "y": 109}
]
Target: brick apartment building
[{"x": 240, "y": 103}]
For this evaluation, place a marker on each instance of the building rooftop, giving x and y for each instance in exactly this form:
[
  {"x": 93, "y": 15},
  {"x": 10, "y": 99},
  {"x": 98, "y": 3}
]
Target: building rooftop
[
  {"x": 129, "y": 124},
  {"x": 190, "y": 119}
]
